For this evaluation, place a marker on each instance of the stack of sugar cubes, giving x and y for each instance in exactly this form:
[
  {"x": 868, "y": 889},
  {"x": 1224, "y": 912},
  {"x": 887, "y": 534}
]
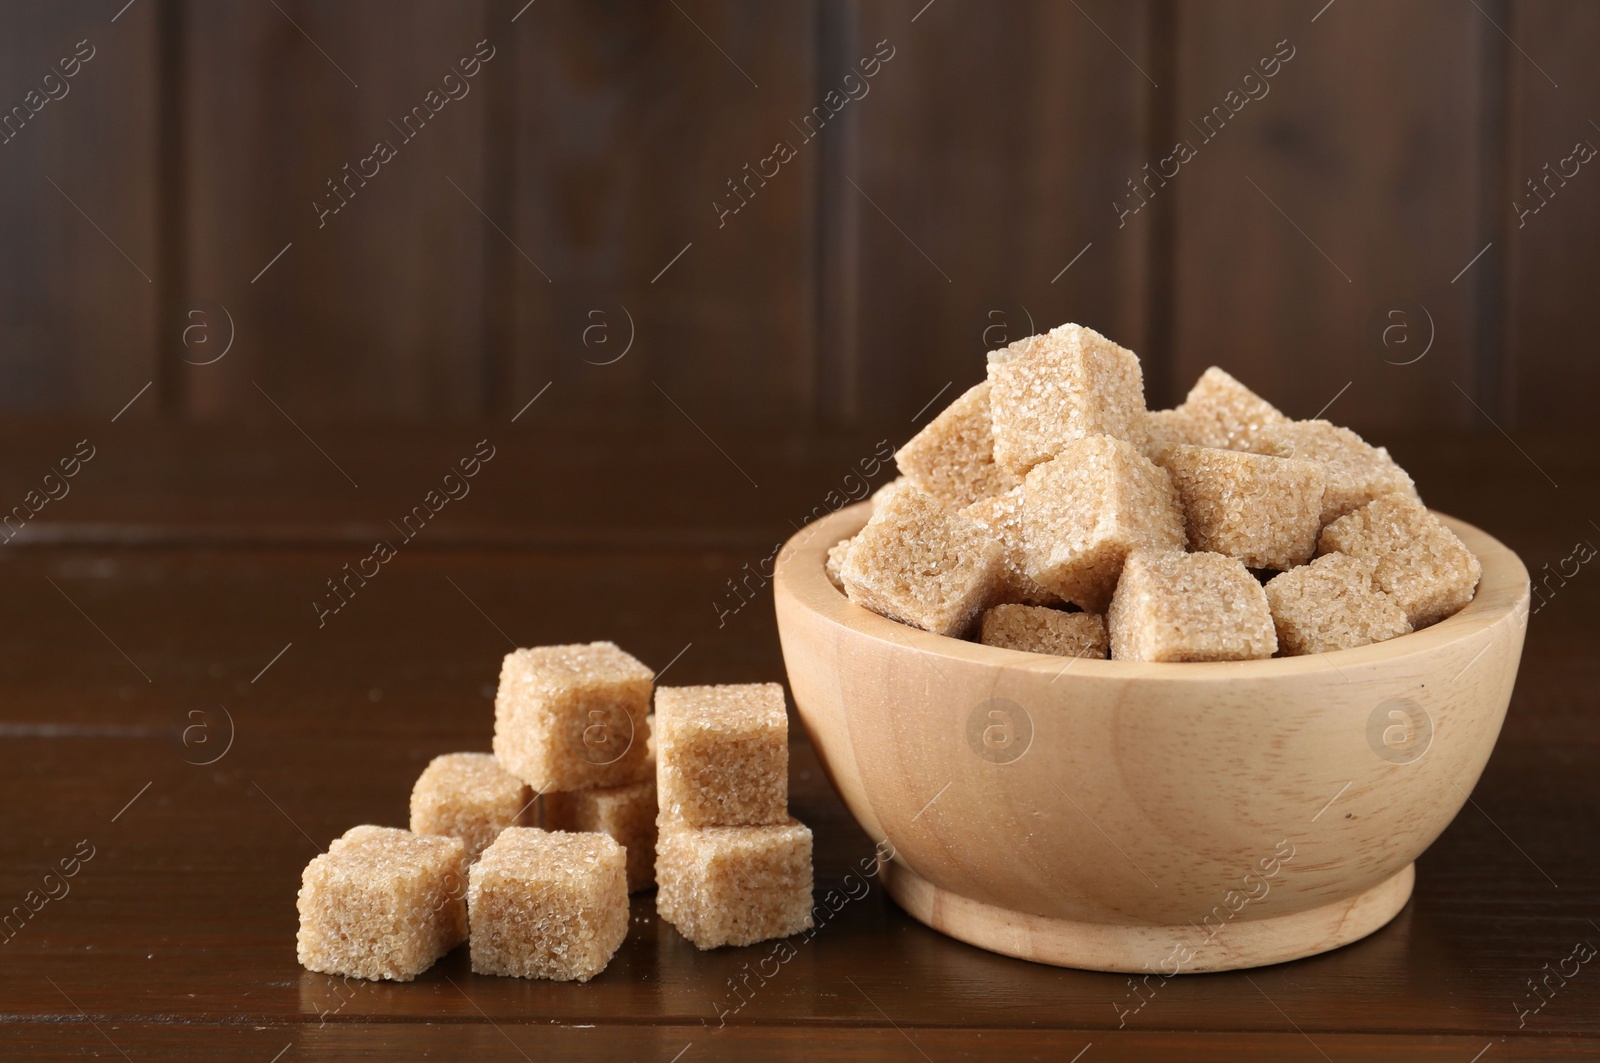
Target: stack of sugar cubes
[
  {"x": 733, "y": 868},
  {"x": 573, "y": 751},
  {"x": 1047, "y": 510}
]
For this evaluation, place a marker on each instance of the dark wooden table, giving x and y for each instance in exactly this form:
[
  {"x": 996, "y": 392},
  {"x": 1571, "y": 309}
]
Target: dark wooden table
[{"x": 171, "y": 705}]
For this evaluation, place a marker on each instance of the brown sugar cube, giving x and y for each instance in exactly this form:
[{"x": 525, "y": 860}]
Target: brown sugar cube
[
  {"x": 1035, "y": 629},
  {"x": 952, "y": 458},
  {"x": 547, "y": 904},
  {"x": 468, "y": 796},
  {"x": 1221, "y": 412},
  {"x": 650, "y": 741},
  {"x": 888, "y": 491},
  {"x": 1263, "y": 510},
  {"x": 571, "y": 717},
  {"x": 1357, "y": 472},
  {"x": 1173, "y": 606},
  {"x": 1028, "y": 345},
  {"x": 382, "y": 903},
  {"x": 625, "y": 814},
  {"x": 924, "y": 564},
  {"x": 1001, "y": 516},
  {"x": 833, "y": 564},
  {"x": 1164, "y": 428},
  {"x": 734, "y": 885},
  {"x": 724, "y": 755},
  {"x": 1331, "y": 604},
  {"x": 1070, "y": 383},
  {"x": 1419, "y": 562},
  {"x": 1086, "y": 510}
]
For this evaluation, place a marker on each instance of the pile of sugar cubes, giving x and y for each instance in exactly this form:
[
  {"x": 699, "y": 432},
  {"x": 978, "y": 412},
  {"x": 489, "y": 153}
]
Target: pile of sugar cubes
[
  {"x": 530, "y": 853},
  {"x": 1047, "y": 510}
]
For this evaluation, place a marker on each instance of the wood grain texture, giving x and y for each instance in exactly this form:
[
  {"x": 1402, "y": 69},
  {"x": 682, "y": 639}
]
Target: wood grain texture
[
  {"x": 78, "y": 180},
  {"x": 376, "y": 310},
  {"x": 1550, "y": 250},
  {"x": 517, "y": 1042},
  {"x": 264, "y": 483},
  {"x": 631, "y": 123},
  {"x": 995, "y": 145},
  {"x": 1315, "y": 210},
  {"x": 986, "y": 158},
  {"x": 177, "y": 937}
]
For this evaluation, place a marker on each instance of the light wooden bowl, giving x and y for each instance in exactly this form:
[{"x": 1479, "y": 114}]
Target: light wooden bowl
[{"x": 1133, "y": 816}]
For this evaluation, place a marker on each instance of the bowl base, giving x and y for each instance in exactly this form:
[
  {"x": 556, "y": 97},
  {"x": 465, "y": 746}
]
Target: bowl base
[{"x": 1142, "y": 947}]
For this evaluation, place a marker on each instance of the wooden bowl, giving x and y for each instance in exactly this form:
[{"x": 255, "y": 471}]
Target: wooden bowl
[{"x": 1134, "y": 816}]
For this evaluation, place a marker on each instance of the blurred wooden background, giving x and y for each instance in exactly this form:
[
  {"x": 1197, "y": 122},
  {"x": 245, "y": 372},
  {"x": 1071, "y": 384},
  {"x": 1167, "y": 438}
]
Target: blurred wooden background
[{"x": 567, "y": 205}]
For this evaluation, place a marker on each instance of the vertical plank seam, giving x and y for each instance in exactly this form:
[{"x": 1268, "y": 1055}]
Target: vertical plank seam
[
  {"x": 1161, "y": 252},
  {"x": 498, "y": 299},
  {"x": 836, "y": 235},
  {"x": 1493, "y": 360},
  {"x": 808, "y": 378},
  {"x": 171, "y": 207}
]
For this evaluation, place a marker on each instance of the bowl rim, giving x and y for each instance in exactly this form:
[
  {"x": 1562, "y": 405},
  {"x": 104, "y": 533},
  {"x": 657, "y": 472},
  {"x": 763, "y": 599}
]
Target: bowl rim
[{"x": 1503, "y": 591}]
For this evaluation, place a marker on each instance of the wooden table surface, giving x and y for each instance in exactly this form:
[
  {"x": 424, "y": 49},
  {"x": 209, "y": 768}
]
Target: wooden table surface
[{"x": 170, "y": 704}]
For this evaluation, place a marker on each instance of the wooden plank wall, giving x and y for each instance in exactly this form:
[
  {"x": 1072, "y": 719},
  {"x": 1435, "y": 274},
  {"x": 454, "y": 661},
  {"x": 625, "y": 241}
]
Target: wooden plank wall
[
  {"x": 376, "y": 306},
  {"x": 630, "y": 121},
  {"x": 1551, "y": 371},
  {"x": 657, "y": 177},
  {"x": 971, "y": 185},
  {"x": 1308, "y": 219},
  {"x": 80, "y": 258}
]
